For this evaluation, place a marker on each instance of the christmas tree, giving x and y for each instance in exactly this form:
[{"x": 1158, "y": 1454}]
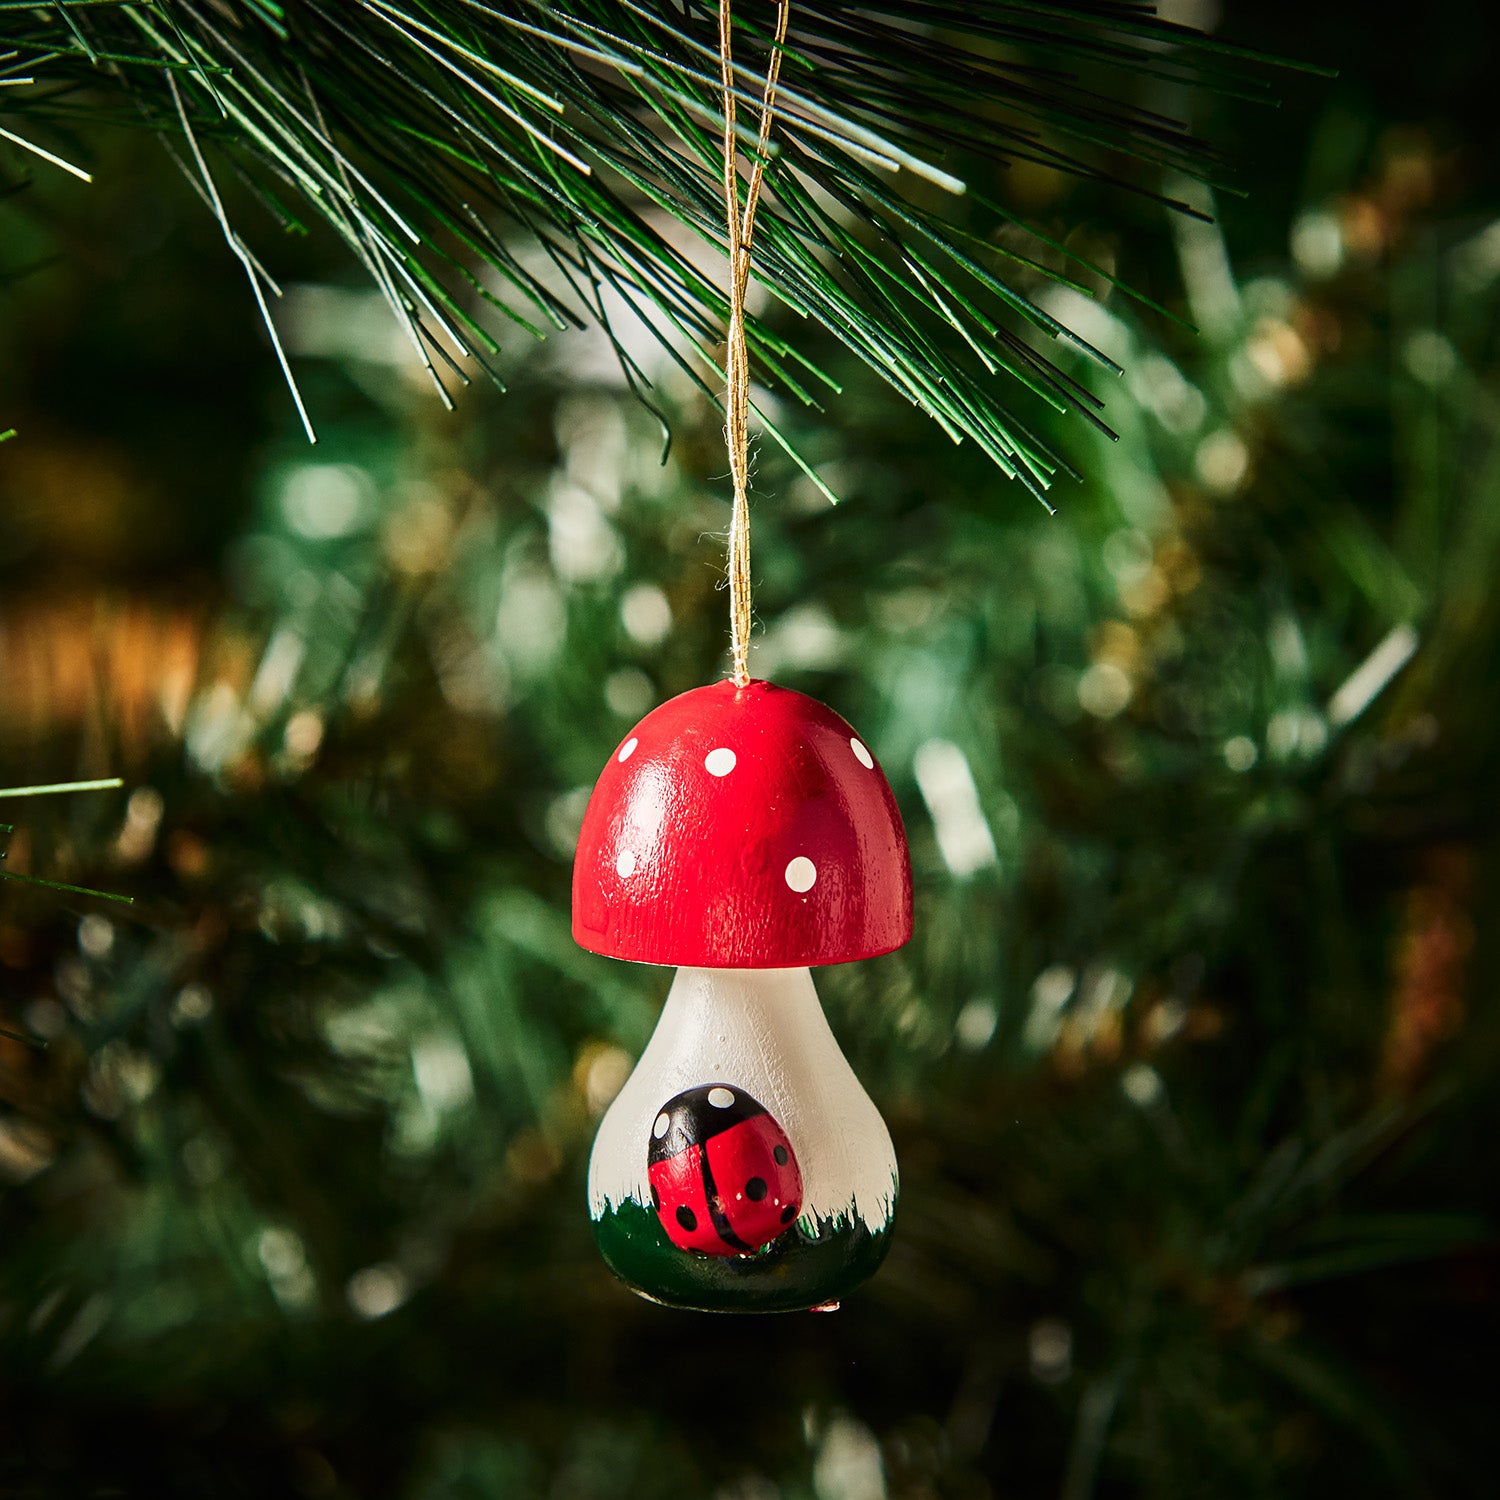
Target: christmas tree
[{"x": 1187, "y": 1065}]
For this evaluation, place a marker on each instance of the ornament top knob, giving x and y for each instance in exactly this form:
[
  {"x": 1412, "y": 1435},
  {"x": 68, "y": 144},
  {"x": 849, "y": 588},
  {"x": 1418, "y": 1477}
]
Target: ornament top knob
[{"x": 742, "y": 828}]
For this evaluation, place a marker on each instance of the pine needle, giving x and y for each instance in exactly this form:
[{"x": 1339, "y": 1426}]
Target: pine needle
[
  {"x": 437, "y": 137},
  {"x": 52, "y": 788}
]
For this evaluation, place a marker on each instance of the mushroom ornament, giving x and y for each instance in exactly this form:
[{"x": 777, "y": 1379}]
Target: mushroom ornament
[{"x": 744, "y": 834}]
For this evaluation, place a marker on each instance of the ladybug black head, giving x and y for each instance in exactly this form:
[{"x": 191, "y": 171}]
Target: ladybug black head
[{"x": 691, "y": 1117}]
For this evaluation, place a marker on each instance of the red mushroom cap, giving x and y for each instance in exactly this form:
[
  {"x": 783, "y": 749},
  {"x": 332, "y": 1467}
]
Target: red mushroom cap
[{"x": 742, "y": 828}]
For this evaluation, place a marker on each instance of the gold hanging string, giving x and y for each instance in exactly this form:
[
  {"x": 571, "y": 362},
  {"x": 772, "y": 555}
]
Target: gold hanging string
[{"x": 737, "y": 395}]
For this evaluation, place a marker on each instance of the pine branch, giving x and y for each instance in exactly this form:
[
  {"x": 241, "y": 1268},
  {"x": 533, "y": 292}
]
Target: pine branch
[{"x": 434, "y": 135}]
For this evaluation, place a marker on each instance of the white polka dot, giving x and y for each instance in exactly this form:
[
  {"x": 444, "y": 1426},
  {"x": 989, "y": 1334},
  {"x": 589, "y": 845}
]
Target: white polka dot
[
  {"x": 625, "y": 864},
  {"x": 663, "y": 1124},
  {"x": 719, "y": 762},
  {"x": 862, "y": 755},
  {"x": 801, "y": 874},
  {"x": 721, "y": 1098},
  {"x": 627, "y": 749}
]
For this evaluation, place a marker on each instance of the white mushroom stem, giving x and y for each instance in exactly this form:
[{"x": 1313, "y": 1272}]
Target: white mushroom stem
[{"x": 761, "y": 1030}]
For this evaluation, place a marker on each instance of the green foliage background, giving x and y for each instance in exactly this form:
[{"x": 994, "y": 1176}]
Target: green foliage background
[{"x": 1189, "y": 1066}]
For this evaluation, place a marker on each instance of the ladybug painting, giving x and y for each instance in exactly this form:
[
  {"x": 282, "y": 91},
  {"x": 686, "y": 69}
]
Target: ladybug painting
[{"x": 724, "y": 1179}]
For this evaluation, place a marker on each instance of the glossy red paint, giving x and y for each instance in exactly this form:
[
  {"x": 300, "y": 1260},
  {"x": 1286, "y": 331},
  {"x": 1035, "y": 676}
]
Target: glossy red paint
[
  {"x": 680, "y": 1198},
  {"x": 724, "y": 1177},
  {"x": 758, "y": 1179},
  {"x": 742, "y": 828}
]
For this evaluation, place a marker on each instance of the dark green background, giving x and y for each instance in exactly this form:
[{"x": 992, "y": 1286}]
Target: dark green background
[{"x": 1246, "y": 1178}]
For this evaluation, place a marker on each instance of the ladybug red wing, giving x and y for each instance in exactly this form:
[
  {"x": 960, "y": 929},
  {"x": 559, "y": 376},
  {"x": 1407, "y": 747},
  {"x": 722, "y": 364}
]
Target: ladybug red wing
[
  {"x": 724, "y": 1178},
  {"x": 757, "y": 1178},
  {"x": 681, "y": 1203}
]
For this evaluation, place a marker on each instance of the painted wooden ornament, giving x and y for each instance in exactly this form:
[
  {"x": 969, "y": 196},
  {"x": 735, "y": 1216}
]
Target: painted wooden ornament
[
  {"x": 724, "y": 1179},
  {"x": 743, "y": 834}
]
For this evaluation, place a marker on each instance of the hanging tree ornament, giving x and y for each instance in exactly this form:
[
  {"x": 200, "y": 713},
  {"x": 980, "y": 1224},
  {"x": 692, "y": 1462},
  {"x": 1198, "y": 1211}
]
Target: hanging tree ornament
[{"x": 742, "y": 833}]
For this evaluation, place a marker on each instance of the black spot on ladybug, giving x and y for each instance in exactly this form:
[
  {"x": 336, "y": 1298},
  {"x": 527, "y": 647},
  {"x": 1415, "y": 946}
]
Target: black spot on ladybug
[{"x": 724, "y": 1177}]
